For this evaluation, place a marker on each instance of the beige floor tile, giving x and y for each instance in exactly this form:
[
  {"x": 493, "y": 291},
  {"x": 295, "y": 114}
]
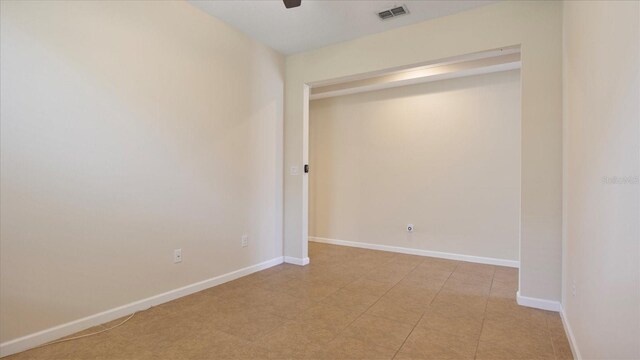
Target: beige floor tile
[
  {"x": 101, "y": 346},
  {"x": 454, "y": 310},
  {"x": 441, "y": 264},
  {"x": 515, "y": 350},
  {"x": 414, "y": 260},
  {"x": 279, "y": 283},
  {"x": 298, "y": 332},
  {"x": 508, "y": 310},
  {"x": 346, "y": 348},
  {"x": 376, "y": 257},
  {"x": 211, "y": 344},
  {"x": 156, "y": 331},
  {"x": 370, "y": 287},
  {"x": 352, "y": 300},
  {"x": 248, "y": 325},
  {"x": 430, "y": 272},
  {"x": 228, "y": 304},
  {"x": 561, "y": 347},
  {"x": 476, "y": 269},
  {"x": 503, "y": 291},
  {"x": 295, "y": 271},
  {"x": 430, "y": 344},
  {"x": 334, "y": 280},
  {"x": 273, "y": 270},
  {"x": 406, "y": 356},
  {"x": 347, "y": 304},
  {"x": 427, "y": 283},
  {"x": 554, "y": 324},
  {"x": 386, "y": 276},
  {"x": 506, "y": 275},
  {"x": 413, "y": 298},
  {"x": 417, "y": 292},
  {"x": 472, "y": 278},
  {"x": 464, "y": 287},
  {"x": 328, "y": 317},
  {"x": 473, "y": 303},
  {"x": 295, "y": 351},
  {"x": 505, "y": 284},
  {"x": 377, "y": 331},
  {"x": 282, "y": 304},
  {"x": 249, "y": 297},
  {"x": 311, "y": 292},
  {"x": 389, "y": 308},
  {"x": 295, "y": 340},
  {"x": 452, "y": 323},
  {"x": 512, "y": 330}
]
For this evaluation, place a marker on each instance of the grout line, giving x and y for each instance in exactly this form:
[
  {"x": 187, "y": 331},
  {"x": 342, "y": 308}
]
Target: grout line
[
  {"x": 484, "y": 314},
  {"x": 385, "y": 293},
  {"x": 367, "y": 309},
  {"x": 553, "y": 343},
  {"x": 372, "y": 305},
  {"x": 425, "y": 311}
]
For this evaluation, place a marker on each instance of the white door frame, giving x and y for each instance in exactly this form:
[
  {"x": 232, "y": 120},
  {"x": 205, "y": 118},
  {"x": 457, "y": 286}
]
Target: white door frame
[{"x": 306, "y": 98}]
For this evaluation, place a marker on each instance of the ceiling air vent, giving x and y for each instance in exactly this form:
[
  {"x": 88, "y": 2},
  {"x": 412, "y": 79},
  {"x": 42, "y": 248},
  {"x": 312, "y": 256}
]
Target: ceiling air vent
[{"x": 393, "y": 12}]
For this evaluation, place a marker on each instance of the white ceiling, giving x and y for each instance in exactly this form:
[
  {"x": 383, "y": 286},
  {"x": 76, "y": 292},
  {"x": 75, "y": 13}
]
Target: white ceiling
[{"x": 317, "y": 23}]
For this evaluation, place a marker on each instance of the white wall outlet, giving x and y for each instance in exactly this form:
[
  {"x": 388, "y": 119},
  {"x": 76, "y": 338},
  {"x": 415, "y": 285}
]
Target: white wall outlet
[
  {"x": 410, "y": 228},
  {"x": 177, "y": 256},
  {"x": 294, "y": 170},
  {"x": 573, "y": 288},
  {"x": 245, "y": 240}
]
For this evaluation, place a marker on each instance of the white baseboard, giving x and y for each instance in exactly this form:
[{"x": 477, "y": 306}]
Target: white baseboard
[
  {"x": 296, "y": 261},
  {"x": 570, "y": 336},
  {"x": 56, "y": 332},
  {"x": 411, "y": 251},
  {"x": 543, "y": 304}
]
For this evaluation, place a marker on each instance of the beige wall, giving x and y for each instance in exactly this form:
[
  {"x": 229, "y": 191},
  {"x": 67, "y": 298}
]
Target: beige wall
[
  {"x": 537, "y": 27},
  {"x": 602, "y": 131},
  {"x": 444, "y": 156},
  {"x": 130, "y": 129}
]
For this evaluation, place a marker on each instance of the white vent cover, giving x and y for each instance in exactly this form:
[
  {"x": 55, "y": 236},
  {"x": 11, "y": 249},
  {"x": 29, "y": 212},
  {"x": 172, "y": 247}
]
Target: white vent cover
[{"x": 393, "y": 12}]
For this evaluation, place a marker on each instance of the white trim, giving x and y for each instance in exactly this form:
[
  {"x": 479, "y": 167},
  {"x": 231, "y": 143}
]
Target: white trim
[
  {"x": 56, "y": 332},
  {"x": 570, "y": 336},
  {"x": 296, "y": 261},
  {"x": 515, "y": 49},
  {"x": 538, "y": 303},
  {"x": 411, "y": 251},
  {"x": 304, "y": 253},
  {"x": 419, "y": 80}
]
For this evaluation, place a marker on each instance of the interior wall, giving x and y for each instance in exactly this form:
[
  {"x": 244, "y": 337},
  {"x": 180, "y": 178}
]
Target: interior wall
[
  {"x": 443, "y": 156},
  {"x": 130, "y": 129},
  {"x": 602, "y": 166},
  {"x": 534, "y": 25}
]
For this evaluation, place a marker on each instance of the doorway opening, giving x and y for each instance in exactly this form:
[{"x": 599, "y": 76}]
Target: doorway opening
[{"x": 459, "y": 182}]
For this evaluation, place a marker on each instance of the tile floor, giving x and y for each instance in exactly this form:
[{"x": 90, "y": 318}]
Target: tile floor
[{"x": 347, "y": 304}]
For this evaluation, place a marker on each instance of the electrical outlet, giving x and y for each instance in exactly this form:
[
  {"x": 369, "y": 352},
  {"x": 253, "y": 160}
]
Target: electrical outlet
[
  {"x": 177, "y": 256},
  {"x": 410, "y": 227},
  {"x": 245, "y": 240},
  {"x": 573, "y": 288}
]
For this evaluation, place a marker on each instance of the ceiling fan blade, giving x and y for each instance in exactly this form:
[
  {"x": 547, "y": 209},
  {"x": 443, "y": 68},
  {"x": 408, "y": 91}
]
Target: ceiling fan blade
[{"x": 291, "y": 3}]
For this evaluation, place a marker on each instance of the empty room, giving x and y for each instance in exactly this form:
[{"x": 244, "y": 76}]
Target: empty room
[{"x": 317, "y": 179}]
